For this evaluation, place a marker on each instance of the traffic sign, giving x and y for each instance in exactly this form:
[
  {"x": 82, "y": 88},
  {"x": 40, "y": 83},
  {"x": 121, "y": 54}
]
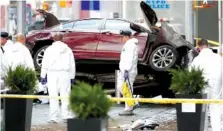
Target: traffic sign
[
  {"x": 197, "y": 4},
  {"x": 158, "y": 4}
]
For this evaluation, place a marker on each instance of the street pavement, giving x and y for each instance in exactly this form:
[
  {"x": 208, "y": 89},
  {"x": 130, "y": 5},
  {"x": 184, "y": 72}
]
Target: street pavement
[
  {"x": 156, "y": 113},
  {"x": 153, "y": 112}
]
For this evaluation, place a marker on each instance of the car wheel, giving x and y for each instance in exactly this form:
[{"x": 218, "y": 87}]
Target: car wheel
[
  {"x": 163, "y": 58},
  {"x": 38, "y": 57}
]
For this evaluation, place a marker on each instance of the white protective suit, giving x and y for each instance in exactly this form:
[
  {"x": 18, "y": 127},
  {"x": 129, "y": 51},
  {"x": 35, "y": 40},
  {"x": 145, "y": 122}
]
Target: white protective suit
[
  {"x": 211, "y": 64},
  {"x": 128, "y": 61},
  {"x": 8, "y": 45},
  {"x": 59, "y": 66},
  {"x": 18, "y": 55}
]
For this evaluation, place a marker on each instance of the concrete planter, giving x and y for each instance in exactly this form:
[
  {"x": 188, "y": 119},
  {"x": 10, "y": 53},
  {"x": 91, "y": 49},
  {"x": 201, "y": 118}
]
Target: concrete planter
[
  {"x": 92, "y": 124},
  {"x": 191, "y": 121},
  {"x": 17, "y": 114}
]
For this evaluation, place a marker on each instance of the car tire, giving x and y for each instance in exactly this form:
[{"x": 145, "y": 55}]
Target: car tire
[
  {"x": 170, "y": 59},
  {"x": 38, "y": 56}
]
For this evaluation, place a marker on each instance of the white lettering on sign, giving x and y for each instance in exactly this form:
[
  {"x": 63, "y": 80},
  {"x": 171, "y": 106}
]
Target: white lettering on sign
[{"x": 158, "y": 4}]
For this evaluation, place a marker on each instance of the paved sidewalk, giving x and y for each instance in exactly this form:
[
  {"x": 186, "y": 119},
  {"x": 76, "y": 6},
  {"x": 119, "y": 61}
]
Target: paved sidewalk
[
  {"x": 157, "y": 113},
  {"x": 153, "y": 112}
]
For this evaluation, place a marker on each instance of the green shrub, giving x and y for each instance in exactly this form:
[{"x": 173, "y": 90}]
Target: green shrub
[
  {"x": 88, "y": 101},
  {"x": 21, "y": 80},
  {"x": 185, "y": 81}
]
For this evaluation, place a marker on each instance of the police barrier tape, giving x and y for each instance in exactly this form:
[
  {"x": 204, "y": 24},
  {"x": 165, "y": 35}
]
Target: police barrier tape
[{"x": 141, "y": 100}]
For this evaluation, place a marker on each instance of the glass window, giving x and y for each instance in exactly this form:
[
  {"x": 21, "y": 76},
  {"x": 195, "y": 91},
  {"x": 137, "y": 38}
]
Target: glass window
[
  {"x": 68, "y": 25},
  {"x": 88, "y": 24},
  {"x": 117, "y": 25},
  {"x": 63, "y": 26}
]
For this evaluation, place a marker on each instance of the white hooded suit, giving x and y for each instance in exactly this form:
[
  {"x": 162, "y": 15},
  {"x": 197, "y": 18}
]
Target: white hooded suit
[
  {"x": 128, "y": 61},
  {"x": 59, "y": 66},
  {"x": 17, "y": 55},
  {"x": 212, "y": 65},
  {"x": 8, "y": 45},
  {"x": 14, "y": 55}
]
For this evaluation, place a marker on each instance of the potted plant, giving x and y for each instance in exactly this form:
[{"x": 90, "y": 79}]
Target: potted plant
[
  {"x": 189, "y": 84},
  {"x": 18, "y": 111},
  {"x": 90, "y": 104}
]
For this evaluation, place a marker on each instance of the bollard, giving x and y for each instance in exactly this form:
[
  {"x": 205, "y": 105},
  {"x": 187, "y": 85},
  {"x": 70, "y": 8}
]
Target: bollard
[{"x": 117, "y": 93}]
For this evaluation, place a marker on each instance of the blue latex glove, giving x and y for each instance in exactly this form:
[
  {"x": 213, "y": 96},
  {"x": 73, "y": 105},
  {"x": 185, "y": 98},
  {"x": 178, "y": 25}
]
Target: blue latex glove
[
  {"x": 43, "y": 81},
  {"x": 72, "y": 81},
  {"x": 126, "y": 75}
]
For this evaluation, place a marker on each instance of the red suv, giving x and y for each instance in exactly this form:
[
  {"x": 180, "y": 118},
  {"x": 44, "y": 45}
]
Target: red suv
[{"x": 96, "y": 44}]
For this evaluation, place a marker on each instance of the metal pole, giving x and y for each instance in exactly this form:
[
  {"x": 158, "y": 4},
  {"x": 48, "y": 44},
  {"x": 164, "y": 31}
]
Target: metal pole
[
  {"x": 189, "y": 22},
  {"x": 220, "y": 36},
  {"x": 117, "y": 93},
  {"x": 220, "y": 27},
  {"x": 124, "y": 3},
  {"x": 21, "y": 17},
  {"x": 195, "y": 24}
]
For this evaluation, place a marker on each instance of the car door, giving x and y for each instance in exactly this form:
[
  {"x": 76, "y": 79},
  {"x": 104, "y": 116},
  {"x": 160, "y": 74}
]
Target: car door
[
  {"x": 110, "y": 45},
  {"x": 83, "y": 38}
]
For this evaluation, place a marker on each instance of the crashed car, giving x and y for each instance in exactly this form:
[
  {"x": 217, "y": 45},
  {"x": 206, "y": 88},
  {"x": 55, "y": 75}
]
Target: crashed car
[{"x": 96, "y": 44}]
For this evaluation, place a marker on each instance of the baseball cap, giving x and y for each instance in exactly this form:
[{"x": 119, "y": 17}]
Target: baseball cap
[
  {"x": 4, "y": 35},
  {"x": 125, "y": 33}
]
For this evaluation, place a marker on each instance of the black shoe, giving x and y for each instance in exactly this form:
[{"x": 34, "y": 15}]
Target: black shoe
[
  {"x": 126, "y": 113},
  {"x": 135, "y": 106}
]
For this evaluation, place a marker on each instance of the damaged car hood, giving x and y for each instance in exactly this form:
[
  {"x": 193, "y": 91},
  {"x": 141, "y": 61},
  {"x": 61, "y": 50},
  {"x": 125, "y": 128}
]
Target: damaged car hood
[
  {"x": 49, "y": 19},
  {"x": 173, "y": 37},
  {"x": 149, "y": 14}
]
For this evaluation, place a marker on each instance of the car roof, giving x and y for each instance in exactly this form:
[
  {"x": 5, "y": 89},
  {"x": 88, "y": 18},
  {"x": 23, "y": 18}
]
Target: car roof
[
  {"x": 103, "y": 19},
  {"x": 107, "y": 19}
]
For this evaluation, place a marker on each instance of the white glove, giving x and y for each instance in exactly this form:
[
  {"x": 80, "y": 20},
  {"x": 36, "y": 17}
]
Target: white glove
[{"x": 45, "y": 88}]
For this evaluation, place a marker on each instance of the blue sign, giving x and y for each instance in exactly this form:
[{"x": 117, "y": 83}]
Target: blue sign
[
  {"x": 158, "y": 4},
  {"x": 90, "y": 5}
]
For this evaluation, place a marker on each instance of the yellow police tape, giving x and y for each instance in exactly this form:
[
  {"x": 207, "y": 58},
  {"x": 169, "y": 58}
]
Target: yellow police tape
[{"x": 141, "y": 100}]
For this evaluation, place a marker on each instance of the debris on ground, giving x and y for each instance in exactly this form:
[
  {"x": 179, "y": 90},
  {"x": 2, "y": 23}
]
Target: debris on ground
[
  {"x": 168, "y": 126},
  {"x": 157, "y": 114},
  {"x": 144, "y": 124}
]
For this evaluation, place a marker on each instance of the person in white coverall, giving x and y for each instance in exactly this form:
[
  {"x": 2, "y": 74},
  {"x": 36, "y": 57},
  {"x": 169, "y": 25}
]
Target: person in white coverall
[
  {"x": 212, "y": 65},
  {"x": 18, "y": 54},
  {"x": 5, "y": 42},
  {"x": 8, "y": 43},
  {"x": 58, "y": 66},
  {"x": 128, "y": 66}
]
